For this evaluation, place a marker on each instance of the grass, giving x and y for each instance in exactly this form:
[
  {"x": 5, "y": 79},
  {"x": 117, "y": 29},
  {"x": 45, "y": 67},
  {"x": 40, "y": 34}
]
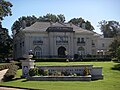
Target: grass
[{"x": 111, "y": 79}]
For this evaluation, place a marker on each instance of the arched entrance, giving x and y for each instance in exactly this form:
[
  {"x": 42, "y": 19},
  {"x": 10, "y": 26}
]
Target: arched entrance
[{"x": 61, "y": 51}]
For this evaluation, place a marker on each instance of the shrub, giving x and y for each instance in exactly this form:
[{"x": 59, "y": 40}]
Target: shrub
[
  {"x": 33, "y": 71},
  {"x": 6, "y": 66},
  {"x": 115, "y": 59},
  {"x": 46, "y": 73},
  {"x": 10, "y": 74},
  {"x": 86, "y": 71},
  {"x": 50, "y": 60},
  {"x": 40, "y": 72}
]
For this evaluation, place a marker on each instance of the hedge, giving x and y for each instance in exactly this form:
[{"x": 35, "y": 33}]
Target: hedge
[
  {"x": 10, "y": 74},
  {"x": 6, "y": 66},
  {"x": 50, "y": 59}
]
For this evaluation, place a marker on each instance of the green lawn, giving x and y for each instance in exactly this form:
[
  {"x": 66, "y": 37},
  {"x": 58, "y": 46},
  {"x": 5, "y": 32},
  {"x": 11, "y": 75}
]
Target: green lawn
[{"x": 111, "y": 79}]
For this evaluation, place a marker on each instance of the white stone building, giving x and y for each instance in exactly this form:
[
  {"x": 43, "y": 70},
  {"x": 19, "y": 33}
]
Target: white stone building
[{"x": 47, "y": 39}]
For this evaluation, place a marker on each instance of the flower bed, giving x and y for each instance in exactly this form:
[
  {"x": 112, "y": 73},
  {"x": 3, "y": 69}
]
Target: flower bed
[{"x": 59, "y": 78}]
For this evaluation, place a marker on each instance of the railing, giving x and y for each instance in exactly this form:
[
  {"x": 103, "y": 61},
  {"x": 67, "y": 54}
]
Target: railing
[
  {"x": 60, "y": 42},
  {"x": 80, "y": 43}
]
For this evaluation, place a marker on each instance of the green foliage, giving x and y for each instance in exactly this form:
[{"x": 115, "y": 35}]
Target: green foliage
[
  {"x": 118, "y": 53},
  {"x": 116, "y": 67},
  {"x": 86, "y": 71},
  {"x": 33, "y": 71},
  {"x": 115, "y": 59},
  {"x": 10, "y": 74},
  {"x": 5, "y": 43},
  {"x": 6, "y": 66},
  {"x": 114, "y": 46},
  {"x": 80, "y": 22},
  {"x": 50, "y": 59},
  {"x": 5, "y": 8},
  {"x": 26, "y": 21},
  {"x": 46, "y": 72},
  {"x": 109, "y": 28},
  {"x": 40, "y": 72}
]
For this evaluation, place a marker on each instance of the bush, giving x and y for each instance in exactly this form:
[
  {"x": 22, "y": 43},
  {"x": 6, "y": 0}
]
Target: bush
[
  {"x": 46, "y": 73},
  {"x": 10, "y": 74},
  {"x": 115, "y": 59},
  {"x": 40, "y": 72},
  {"x": 33, "y": 71},
  {"x": 86, "y": 71},
  {"x": 50, "y": 60},
  {"x": 6, "y": 66}
]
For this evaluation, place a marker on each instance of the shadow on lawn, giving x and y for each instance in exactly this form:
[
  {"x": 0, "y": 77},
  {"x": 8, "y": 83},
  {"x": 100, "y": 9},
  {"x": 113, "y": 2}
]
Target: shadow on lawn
[
  {"x": 116, "y": 67},
  {"x": 12, "y": 79}
]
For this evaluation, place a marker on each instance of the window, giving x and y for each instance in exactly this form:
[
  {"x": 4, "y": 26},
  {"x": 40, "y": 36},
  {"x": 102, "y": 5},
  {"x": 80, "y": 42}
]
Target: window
[
  {"x": 78, "y": 39},
  {"x": 103, "y": 45},
  {"x": 61, "y": 39},
  {"x": 37, "y": 40},
  {"x": 38, "y": 52},
  {"x": 93, "y": 44},
  {"x": 82, "y": 40}
]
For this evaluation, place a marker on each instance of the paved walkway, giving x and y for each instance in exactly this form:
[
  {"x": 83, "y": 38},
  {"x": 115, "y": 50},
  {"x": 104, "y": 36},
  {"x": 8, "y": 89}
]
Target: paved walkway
[
  {"x": 6, "y": 88},
  {"x": 2, "y": 73}
]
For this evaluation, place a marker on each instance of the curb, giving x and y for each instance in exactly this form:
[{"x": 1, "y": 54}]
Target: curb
[{"x": 19, "y": 87}]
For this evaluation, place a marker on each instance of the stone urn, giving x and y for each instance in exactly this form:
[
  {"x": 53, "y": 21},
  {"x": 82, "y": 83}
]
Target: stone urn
[{"x": 28, "y": 57}]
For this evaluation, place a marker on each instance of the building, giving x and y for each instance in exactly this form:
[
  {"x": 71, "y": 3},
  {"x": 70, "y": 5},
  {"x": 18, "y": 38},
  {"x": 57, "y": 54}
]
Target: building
[{"x": 47, "y": 39}]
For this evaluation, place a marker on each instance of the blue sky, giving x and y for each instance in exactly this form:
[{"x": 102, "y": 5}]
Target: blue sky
[{"x": 91, "y": 10}]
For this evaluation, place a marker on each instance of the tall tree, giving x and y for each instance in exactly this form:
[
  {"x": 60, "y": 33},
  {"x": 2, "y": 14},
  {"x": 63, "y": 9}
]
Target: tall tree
[
  {"x": 23, "y": 22},
  {"x": 82, "y": 23},
  {"x": 109, "y": 28},
  {"x": 114, "y": 46},
  {"x": 26, "y": 21},
  {"x": 5, "y": 39},
  {"x": 61, "y": 18},
  {"x": 5, "y": 43},
  {"x": 5, "y": 8}
]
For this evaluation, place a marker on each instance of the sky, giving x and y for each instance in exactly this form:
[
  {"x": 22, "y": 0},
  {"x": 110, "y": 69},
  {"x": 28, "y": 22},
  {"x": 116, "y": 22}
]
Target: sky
[{"x": 91, "y": 10}]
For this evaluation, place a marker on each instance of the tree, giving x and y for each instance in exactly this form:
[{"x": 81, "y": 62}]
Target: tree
[
  {"x": 61, "y": 18},
  {"x": 114, "y": 46},
  {"x": 5, "y": 39},
  {"x": 118, "y": 53},
  {"x": 110, "y": 29},
  {"x": 5, "y": 8},
  {"x": 82, "y": 23},
  {"x": 26, "y": 21},
  {"x": 5, "y": 43},
  {"x": 23, "y": 22}
]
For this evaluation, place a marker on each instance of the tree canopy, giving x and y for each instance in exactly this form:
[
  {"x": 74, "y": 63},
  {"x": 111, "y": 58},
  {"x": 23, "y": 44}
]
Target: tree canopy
[
  {"x": 82, "y": 23},
  {"x": 114, "y": 46},
  {"x": 109, "y": 28},
  {"x": 29, "y": 20},
  {"x": 5, "y": 43},
  {"x": 5, "y": 39},
  {"x": 5, "y": 8},
  {"x": 26, "y": 21}
]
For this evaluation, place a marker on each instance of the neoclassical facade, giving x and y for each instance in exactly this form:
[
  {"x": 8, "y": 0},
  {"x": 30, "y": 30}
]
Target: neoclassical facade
[{"x": 47, "y": 39}]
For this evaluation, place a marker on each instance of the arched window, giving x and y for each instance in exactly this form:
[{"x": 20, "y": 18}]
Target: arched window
[
  {"x": 38, "y": 52},
  {"x": 81, "y": 51}
]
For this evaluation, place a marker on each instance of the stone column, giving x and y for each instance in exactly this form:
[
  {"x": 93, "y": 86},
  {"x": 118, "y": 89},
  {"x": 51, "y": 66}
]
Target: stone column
[{"x": 26, "y": 65}]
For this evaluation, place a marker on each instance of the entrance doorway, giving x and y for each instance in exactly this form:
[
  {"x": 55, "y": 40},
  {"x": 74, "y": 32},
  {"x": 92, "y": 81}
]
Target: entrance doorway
[{"x": 61, "y": 51}]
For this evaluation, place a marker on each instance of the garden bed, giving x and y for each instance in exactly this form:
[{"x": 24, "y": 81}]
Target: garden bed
[{"x": 59, "y": 78}]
